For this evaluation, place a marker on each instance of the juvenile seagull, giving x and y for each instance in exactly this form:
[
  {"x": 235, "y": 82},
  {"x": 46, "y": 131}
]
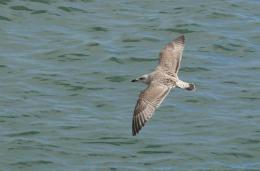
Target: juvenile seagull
[{"x": 160, "y": 82}]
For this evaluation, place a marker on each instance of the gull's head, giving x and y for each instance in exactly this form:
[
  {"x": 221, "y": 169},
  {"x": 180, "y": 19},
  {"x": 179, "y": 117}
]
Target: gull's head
[{"x": 144, "y": 79}]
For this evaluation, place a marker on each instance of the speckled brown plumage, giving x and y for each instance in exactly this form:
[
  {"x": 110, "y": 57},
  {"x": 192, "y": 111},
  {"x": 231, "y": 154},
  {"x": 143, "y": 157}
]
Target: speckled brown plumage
[{"x": 160, "y": 82}]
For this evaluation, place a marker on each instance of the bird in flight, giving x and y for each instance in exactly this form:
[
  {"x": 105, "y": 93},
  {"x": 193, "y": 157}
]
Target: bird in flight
[{"x": 160, "y": 82}]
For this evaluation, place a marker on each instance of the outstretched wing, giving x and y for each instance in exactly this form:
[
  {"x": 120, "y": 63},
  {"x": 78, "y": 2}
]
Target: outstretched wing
[
  {"x": 149, "y": 100},
  {"x": 171, "y": 54}
]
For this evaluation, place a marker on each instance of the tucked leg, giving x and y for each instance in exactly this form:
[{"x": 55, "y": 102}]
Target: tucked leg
[{"x": 186, "y": 86}]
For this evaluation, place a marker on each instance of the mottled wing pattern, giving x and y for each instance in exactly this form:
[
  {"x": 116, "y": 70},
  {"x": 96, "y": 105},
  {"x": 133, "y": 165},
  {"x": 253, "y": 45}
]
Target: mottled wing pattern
[
  {"x": 171, "y": 54},
  {"x": 149, "y": 100}
]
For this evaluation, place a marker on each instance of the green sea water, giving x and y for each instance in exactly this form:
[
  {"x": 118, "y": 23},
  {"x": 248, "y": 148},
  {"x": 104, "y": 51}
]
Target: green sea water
[{"x": 67, "y": 100}]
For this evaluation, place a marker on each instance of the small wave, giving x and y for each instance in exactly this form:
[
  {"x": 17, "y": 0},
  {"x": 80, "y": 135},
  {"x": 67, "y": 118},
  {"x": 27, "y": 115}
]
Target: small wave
[
  {"x": 91, "y": 44},
  {"x": 131, "y": 40},
  {"x": 221, "y": 47},
  {"x": 4, "y": 2},
  {"x": 250, "y": 98},
  {"x": 220, "y": 15},
  {"x": 71, "y": 57},
  {"x": 68, "y": 85},
  {"x": 187, "y": 25},
  {"x": 39, "y": 12},
  {"x": 5, "y": 18},
  {"x": 254, "y": 68},
  {"x": 131, "y": 59},
  {"x": 230, "y": 82},
  {"x": 235, "y": 45},
  {"x": 98, "y": 28},
  {"x": 71, "y": 9},
  {"x": 112, "y": 138},
  {"x": 20, "y": 8},
  {"x": 142, "y": 59},
  {"x": 32, "y": 92},
  {"x": 3, "y": 66},
  {"x": 178, "y": 30},
  {"x": 116, "y": 60},
  {"x": 192, "y": 101},
  {"x": 68, "y": 127},
  {"x": 41, "y": 1},
  {"x": 247, "y": 141},
  {"x": 154, "y": 152},
  {"x": 116, "y": 78},
  {"x": 150, "y": 39},
  {"x": 194, "y": 69},
  {"x": 26, "y": 133},
  {"x": 95, "y": 88},
  {"x": 115, "y": 143},
  {"x": 153, "y": 146},
  {"x": 41, "y": 79},
  {"x": 235, "y": 154},
  {"x": 31, "y": 163},
  {"x": 100, "y": 105}
]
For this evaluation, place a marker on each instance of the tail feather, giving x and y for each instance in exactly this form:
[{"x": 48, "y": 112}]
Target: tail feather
[
  {"x": 191, "y": 87},
  {"x": 185, "y": 85}
]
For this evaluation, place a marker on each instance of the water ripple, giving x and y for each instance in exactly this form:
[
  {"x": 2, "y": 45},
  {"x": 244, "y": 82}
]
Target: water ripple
[
  {"x": 99, "y": 29},
  {"x": 117, "y": 79},
  {"x": 154, "y": 152},
  {"x": 220, "y": 15},
  {"x": 71, "y": 9},
  {"x": 42, "y": 1},
  {"x": 194, "y": 69},
  {"x": 32, "y": 163},
  {"x": 178, "y": 30},
  {"x": 20, "y": 8},
  {"x": 134, "y": 59},
  {"x": 234, "y": 154},
  {"x": 4, "y": 2},
  {"x": 5, "y": 18},
  {"x": 26, "y": 133},
  {"x": 39, "y": 12}
]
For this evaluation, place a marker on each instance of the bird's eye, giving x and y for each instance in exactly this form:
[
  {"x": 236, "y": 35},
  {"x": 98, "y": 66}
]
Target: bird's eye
[{"x": 142, "y": 78}]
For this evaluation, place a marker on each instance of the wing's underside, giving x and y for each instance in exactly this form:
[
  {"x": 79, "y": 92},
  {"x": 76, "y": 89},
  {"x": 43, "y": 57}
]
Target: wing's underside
[
  {"x": 171, "y": 54},
  {"x": 148, "y": 101}
]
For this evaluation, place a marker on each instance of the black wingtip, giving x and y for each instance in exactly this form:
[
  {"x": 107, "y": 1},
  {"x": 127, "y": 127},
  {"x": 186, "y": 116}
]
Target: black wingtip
[
  {"x": 180, "y": 39},
  {"x": 134, "y": 132},
  {"x": 133, "y": 128},
  {"x": 137, "y": 126}
]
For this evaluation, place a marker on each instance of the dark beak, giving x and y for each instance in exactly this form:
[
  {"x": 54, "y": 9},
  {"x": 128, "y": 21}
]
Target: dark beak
[{"x": 134, "y": 80}]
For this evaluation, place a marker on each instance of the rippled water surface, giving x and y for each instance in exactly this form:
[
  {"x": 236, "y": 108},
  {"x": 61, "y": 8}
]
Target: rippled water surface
[{"x": 67, "y": 100}]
